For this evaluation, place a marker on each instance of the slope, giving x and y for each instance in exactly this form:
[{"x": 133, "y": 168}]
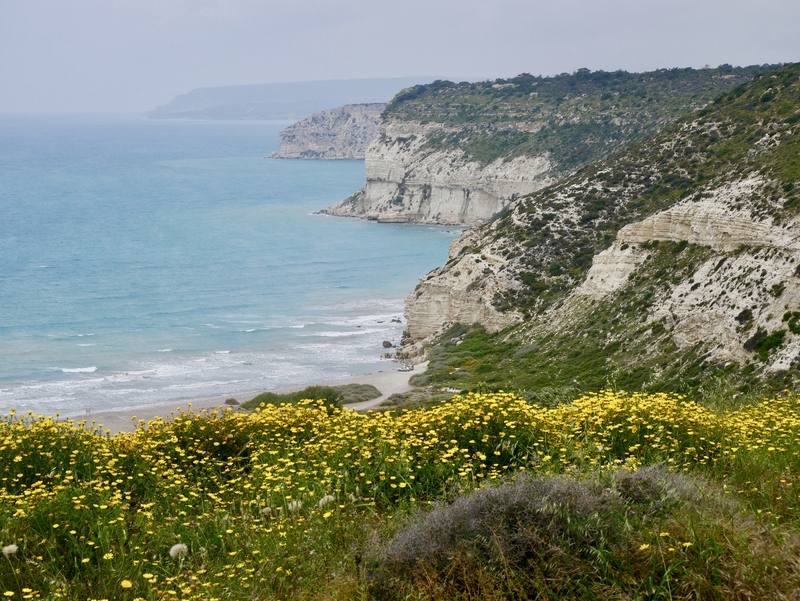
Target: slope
[{"x": 655, "y": 268}]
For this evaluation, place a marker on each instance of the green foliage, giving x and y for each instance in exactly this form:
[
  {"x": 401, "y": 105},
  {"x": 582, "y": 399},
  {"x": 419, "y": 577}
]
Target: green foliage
[
  {"x": 299, "y": 502},
  {"x": 356, "y": 393},
  {"x": 792, "y": 319},
  {"x": 336, "y": 396},
  {"x": 763, "y": 344},
  {"x": 561, "y": 538},
  {"x": 332, "y": 395},
  {"x": 576, "y": 118}
]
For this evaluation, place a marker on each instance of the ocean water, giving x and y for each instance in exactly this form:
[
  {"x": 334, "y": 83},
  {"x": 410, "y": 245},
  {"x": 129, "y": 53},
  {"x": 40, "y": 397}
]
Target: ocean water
[{"x": 153, "y": 261}]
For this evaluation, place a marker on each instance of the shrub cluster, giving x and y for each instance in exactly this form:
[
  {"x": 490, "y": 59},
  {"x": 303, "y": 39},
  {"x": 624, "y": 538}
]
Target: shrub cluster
[{"x": 335, "y": 396}]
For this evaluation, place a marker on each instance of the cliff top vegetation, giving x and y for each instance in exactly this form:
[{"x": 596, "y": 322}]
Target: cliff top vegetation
[{"x": 575, "y": 118}]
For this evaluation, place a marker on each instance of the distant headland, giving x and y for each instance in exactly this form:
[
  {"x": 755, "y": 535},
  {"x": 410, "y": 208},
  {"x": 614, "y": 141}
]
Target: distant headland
[{"x": 290, "y": 101}]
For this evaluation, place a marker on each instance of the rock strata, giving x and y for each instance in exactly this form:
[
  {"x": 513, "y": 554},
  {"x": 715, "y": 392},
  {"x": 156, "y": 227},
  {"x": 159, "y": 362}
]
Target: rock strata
[
  {"x": 407, "y": 184},
  {"x": 687, "y": 245}
]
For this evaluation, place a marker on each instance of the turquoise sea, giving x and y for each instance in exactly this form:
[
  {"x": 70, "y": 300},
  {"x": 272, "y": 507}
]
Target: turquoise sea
[{"x": 146, "y": 261}]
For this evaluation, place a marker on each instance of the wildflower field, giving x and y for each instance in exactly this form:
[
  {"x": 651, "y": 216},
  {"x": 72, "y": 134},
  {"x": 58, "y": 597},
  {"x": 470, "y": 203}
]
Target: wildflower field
[{"x": 302, "y": 501}]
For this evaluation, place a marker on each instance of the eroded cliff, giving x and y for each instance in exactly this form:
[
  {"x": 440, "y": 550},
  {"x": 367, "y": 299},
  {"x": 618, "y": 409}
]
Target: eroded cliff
[
  {"x": 341, "y": 133},
  {"x": 680, "y": 254},
  {"x": 460, "y": 153}
]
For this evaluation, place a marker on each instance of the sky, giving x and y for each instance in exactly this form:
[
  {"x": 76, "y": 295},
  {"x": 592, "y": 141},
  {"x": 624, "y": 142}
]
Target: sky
[{"x": 128, "y": 56}]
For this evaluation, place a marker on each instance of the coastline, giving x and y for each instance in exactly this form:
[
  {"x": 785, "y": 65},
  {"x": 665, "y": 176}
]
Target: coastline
[{"x": 389, "y": 382}]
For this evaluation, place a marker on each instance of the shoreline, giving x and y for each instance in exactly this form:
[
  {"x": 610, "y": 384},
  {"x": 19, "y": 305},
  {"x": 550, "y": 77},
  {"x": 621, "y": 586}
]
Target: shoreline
[{"x": 389, "y": 382}]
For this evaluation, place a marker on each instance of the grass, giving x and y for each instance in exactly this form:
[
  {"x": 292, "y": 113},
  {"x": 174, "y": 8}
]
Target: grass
[
  {"x": 627, "y": 534},
  {"x": 302, "y": 501}
]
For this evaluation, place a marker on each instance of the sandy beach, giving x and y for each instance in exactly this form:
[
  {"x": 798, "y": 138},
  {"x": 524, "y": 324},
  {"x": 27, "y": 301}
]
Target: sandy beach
[{"x": 389, "y": 382}]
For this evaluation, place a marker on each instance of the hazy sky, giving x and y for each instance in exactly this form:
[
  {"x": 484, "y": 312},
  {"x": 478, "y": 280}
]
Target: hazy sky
[{"x": 131, "y": 55}]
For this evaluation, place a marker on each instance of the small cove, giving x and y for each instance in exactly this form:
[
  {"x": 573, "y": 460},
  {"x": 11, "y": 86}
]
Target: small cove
[{"x": 148, "y": 261}]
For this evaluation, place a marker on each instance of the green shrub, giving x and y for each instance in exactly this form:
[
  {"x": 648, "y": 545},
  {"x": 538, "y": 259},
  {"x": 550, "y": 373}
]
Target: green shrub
[
  {"x": 792, "y": 319},
  {"x": 333, "y": 397}
]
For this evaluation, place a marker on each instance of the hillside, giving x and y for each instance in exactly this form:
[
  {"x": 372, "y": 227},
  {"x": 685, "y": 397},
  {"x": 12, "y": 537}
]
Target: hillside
[
  {"x": 487, "y": 494},
  {"x": 341, "y": 133},
  {"x": 660, "y": 267},
  {"x": 458, "y": 153}
]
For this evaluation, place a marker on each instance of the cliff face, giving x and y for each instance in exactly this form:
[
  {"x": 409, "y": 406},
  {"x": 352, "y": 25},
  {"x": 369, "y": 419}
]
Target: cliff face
[
  {"x": 460, "y": 153},
  {"x": 407, "y": 183},
  {"x": 341, "y": 133},
  {"x": 683, "y": 250}
]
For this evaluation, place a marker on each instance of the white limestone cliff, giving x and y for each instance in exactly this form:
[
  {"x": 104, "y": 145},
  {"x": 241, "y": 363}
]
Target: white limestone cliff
[
  {"x": 408, "y": 182},
  {"x": 341, "y": 133},
  {"x": 755, "y": 267}
]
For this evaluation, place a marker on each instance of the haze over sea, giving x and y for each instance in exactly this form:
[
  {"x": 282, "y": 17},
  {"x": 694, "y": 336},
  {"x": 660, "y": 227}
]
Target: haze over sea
[{"x": 151, "y": 261}]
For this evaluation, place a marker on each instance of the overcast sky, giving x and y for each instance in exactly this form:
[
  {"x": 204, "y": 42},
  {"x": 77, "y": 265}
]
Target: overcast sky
[{"x": 131, "y": 55}]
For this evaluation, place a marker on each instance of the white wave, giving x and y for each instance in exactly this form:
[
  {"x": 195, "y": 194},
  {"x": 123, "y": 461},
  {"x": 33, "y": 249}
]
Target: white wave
[
  {"x": 359, "y": 332},
  {"x": 165, "y": 350},
  {"x": 221, "y": 352},
  {"x": 199, "y": 385},
  {"x": 86, "y": 344},
  {"x": 79, "y": 370}
]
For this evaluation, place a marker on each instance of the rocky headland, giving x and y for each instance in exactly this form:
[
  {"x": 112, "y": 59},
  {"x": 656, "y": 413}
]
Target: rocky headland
[
  {"x": 457, "y": 154},
  {"x": 341, "y": 133},
  {"x": 281, "y": 101}
]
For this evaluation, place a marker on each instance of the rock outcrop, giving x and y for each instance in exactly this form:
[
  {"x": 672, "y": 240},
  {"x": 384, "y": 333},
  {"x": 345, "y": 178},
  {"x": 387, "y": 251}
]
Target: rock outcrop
[
  {"x": 408, "y": 184},
  {"x": 752, "y": 267},
  {"x": 341, "y": 133}
]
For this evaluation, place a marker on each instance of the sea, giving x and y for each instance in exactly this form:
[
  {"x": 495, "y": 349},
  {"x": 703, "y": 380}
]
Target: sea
[{"x": 150, "y": 261}]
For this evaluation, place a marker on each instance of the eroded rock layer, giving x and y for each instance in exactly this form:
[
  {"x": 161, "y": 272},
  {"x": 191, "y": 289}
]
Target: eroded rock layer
[
  {"x": 686, "y": 244},
  {"x": 460, "y": 153}
]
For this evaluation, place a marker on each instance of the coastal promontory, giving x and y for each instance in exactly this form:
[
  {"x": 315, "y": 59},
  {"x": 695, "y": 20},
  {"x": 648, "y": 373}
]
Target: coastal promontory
[
  {"x": 664, "y": 266},
  {"x": 341, "y": 133},
  {"x": 459, "y": 153}
]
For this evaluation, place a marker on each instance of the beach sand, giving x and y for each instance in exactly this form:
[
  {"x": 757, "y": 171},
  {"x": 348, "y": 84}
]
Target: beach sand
[{"x": 389, "y": 382}]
